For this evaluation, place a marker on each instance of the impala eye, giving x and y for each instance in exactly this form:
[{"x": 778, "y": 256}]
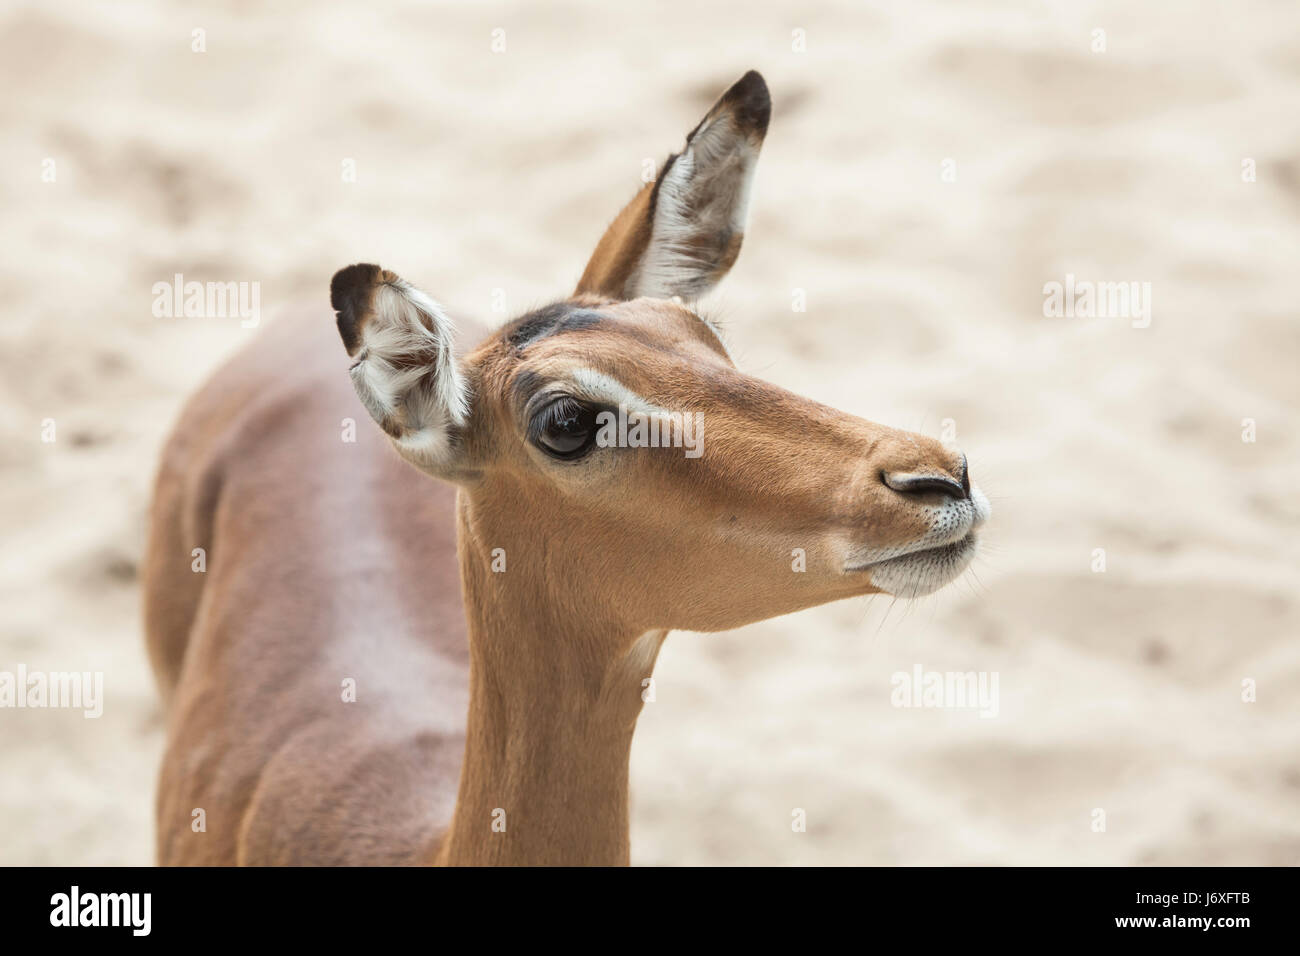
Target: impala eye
[{"x": 566, "y": 428}]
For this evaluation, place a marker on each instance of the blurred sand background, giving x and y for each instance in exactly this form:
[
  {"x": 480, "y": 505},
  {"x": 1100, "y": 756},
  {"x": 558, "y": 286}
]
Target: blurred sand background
[{"x": 481, "y": 171}]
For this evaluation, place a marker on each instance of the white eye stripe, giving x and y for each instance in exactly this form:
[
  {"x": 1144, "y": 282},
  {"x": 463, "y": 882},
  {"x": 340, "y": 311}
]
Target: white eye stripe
[{"x": 598, "y": 387}]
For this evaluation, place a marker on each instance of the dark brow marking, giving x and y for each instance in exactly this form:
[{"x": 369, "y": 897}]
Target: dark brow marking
[
  {"x": 525, "y": 384},
  {"x": 549, "y": 320}
]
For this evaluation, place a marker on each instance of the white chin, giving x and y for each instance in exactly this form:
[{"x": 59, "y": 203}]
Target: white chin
[{"x": 922, "y": 573}]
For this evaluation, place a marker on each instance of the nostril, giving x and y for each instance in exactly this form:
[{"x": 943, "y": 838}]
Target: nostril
[{"x": 912, "y": 484}]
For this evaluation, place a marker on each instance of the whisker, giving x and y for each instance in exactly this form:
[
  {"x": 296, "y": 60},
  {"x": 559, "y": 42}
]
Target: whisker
[{"x": 886, "y": 617}]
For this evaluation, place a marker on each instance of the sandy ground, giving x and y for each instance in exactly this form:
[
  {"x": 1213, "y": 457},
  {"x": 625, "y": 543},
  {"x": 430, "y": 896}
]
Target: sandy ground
[{"x": 479, "y": 171}]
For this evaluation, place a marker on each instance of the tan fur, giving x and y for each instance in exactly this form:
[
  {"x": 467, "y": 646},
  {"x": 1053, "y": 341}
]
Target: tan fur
[
  {"x": 330, "y": 561},
  {"x": 620, "y": 248}
]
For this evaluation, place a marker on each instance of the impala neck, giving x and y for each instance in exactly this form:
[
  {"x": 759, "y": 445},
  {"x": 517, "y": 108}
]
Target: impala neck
[{"x": 554, "y": 699}]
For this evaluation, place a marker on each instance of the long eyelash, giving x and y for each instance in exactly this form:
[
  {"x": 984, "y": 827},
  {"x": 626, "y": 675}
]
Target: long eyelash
[{"x": 563, "y": 407}]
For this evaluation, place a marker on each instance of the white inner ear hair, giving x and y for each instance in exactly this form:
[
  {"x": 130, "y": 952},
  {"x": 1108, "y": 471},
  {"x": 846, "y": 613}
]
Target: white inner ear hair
[
  {"x": 406, "y": 374},
  {"x": 705, "y": 193}
]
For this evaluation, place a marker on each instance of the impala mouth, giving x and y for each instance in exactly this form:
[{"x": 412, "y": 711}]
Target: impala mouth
[
  {"x": 929, "y": 562},
  {"x": 924, "y": 570},
  {"x": 939, "y": 552}
]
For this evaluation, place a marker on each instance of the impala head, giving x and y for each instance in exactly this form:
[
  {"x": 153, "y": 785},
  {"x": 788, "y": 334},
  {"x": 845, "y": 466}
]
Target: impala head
[{"x": 762, "y": 503}]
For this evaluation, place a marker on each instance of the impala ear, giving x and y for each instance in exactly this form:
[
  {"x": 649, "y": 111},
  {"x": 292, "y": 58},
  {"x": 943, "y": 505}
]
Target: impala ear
[
  {"x": 681, "y": 233},
  {"x": 404, "y": 371}
]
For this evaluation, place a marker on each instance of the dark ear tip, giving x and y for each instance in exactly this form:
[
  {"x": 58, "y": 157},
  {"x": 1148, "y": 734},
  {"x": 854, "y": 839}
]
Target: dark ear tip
[
  {"x": 750, "y": 102},
  {"x": 350, "y": 296},
  {"x": 351, "y": 280}
]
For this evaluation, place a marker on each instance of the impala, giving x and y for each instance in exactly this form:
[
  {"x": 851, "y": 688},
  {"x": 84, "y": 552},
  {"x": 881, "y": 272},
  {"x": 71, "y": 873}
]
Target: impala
[{"x": 438, "y": 655}]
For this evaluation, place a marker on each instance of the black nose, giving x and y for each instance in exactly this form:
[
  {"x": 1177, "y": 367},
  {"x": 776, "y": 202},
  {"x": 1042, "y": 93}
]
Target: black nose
[{"x": 911, "y": 483}]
